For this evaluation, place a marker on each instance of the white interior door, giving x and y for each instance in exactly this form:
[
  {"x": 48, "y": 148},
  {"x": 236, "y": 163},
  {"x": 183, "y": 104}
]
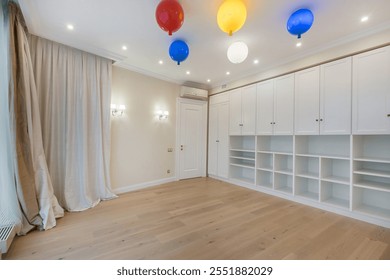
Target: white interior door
[{"x": 192, "y": 138}]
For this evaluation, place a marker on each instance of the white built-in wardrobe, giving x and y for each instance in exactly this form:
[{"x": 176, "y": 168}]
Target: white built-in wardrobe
[{"x": 319, "y": 136}]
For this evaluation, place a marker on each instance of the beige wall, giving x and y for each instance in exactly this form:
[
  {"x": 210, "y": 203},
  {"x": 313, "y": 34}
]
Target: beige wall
[
  {"x": 139, "y": 141},
  {"x": 338, "y": 50}
]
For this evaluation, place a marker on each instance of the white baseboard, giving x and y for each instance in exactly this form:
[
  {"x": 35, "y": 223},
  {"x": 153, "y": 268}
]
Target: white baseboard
[{"x": 140, "y": 186}]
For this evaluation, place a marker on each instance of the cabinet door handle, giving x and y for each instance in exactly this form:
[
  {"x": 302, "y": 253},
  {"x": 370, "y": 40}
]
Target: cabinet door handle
[
  {"x": 316, "y": 120},
  {"x": 181, "y": 147},
  {"x": 321, "y": 120},
  {"x": 388, "y": 115},
  {"x": 217, "y": 141}
]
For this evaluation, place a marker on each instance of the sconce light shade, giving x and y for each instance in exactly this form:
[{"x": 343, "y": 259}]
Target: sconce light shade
[
  {"x": 231, "y": 16},
  {"x": 162, "y": 115},
  {"x": 237, "y": 52},
  {"x": 117, "y": 111}
]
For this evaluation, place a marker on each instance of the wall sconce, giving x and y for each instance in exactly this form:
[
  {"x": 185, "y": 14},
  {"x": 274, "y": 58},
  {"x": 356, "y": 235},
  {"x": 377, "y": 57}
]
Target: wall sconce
[
  {"x": 162, "y": 115},
  {"x": 117, "y": 111}
]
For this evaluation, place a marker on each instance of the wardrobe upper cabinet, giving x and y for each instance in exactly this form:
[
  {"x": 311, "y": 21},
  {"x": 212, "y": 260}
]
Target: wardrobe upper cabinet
[
  {"x": 335, "y": 97},
  {"x": 371, "y": 92},
  {"x": 242, "y": 111},
  {"x": 307, "y": 98},
  {"x": 323, "y": 99},
  {"x": 275, "y": 106}
]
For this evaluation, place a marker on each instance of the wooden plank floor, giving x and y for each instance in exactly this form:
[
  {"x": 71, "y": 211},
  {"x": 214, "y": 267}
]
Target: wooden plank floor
[{"x": 204, "y": 219}]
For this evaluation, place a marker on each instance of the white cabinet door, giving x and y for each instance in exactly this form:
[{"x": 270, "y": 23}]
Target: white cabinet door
[
  {"x": 265, "y": 108},
  {"x": 307, "y": 98},
  {"x": 284, "y": 105},
  {"x": 213, "y": 140},
  {"x": 235, "y": 123},
  {"x": 335, "y": 97},
  {"x": 248, "y": 110},
  {"x": 223, "y": 140},
  {"x": 371, "y": 92}
]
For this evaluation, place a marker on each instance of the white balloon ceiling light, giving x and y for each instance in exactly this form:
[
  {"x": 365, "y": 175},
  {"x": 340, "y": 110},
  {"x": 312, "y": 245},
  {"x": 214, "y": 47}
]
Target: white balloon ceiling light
[{"x": 237, "y": 52}]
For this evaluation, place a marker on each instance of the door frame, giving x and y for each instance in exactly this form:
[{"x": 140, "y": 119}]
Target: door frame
[{"x": 204, "y": 104}]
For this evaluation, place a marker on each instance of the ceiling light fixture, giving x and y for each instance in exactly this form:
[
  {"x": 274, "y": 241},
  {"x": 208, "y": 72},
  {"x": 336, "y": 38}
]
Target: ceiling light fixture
[
  {"x": 256, "y": 61},
  {"x": 299, "y": 44},
  {"x": 124, "y": 48},
  {"x": 70, "y": 26},
  {"x": 208, "y": 80},
  {"x": 188, "y": 72},
  {"x": 364, "y": 19},
  {"x": 227, "y": 73},
  {"x": 161, "y": 62},
  {"x": 300, "y": 22},
  {"x": 237, "y": 52},
  {"x": 231, "y": 16}
]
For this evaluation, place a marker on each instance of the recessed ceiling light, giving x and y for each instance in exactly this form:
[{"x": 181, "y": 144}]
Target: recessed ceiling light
[
  {"x": 124, "y": 48},
  {"x": 70, "y": 26},
  {"x": 299, "y": 44},
  {"x": 364, "y": 19},
  {"x": 161, "y": 62},
  {"x": 208, "y": 80},
  {"x": 188, "y": 72},
  {"x": 227, "y": 73},
  {"x": 256, "y": 61}
]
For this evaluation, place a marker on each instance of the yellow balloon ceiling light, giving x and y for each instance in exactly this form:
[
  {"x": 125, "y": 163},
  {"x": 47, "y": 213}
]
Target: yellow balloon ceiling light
[{"x": 231, "y": 16}]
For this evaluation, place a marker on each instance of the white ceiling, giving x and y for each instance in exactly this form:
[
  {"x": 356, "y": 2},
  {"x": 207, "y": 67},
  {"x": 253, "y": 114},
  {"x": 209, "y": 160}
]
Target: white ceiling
[{"x": 103, "y": 27}]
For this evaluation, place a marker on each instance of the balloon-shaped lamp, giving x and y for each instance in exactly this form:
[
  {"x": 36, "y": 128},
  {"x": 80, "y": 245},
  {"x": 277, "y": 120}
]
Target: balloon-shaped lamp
[
  {"x": 231, "y": 16},
  {"x": 169, "y": 15},
  {"x": 179, "y": 51},
  {"x": 237, "y": 52},
  {"x": 300, "y": 22}
]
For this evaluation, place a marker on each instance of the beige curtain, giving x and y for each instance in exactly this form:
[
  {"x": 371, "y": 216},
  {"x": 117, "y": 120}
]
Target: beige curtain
[
  {"x": 74, "y": 90},
  {"x": 34, "y": 187}
]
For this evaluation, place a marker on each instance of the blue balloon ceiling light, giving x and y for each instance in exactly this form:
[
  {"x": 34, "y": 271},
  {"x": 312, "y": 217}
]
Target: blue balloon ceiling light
[
  {"x": 300, "y": 22},
  {"x": 179, "y": 51}
]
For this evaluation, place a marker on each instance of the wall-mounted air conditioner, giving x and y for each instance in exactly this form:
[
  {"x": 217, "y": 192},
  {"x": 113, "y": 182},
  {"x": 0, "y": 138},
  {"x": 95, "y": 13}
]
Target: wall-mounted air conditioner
[{"x": 195, "y": 93}]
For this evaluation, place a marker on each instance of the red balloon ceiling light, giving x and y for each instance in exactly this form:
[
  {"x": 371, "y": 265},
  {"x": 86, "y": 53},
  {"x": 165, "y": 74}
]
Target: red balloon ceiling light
[{"x": 169, "y": 15}]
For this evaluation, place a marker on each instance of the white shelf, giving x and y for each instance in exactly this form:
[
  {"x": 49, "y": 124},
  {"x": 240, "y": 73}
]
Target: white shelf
[
  {"x": 309, "y": 195},
  {"x": 324, "y": 156},
  {"x": 283, "y": 154},
  {"x": 373, "y": 186},
  {"x": 373, "y": 211},
  {"x": 267, "y": 186},
  {"x": 243, "y": 179},
  {"x": 243, "y": 165},
  {"x": 338, "y": 202},
  {"x": 265, "y": 152},
  {"x": 286, "y": 189},
  {"x": 286, "y": 172},
  {"x": 310, "y": 175},
  {"x": 372, "y": 159},
  {"x": 243, "y": 150},
  {"x": 265, "y": 169},
  {"x": 373, "y": 172},
  {"x": 244, "y": 158},
  {"x": 336, "y": 179}
]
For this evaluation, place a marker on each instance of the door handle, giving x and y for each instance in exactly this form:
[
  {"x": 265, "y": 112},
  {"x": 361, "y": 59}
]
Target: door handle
[{"x": 181, "y": 147}]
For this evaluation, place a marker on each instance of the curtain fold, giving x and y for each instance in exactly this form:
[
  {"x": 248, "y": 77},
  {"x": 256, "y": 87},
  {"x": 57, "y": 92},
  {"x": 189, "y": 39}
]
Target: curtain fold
[
  {"x": 10, "y": 213},
  {"x": 74, "y": 91},
  {"x": 34, "y": 186}
]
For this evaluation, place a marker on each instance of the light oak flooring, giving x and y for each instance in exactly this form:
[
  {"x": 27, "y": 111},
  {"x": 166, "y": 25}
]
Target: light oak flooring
[{"x": 203, "y": 219}]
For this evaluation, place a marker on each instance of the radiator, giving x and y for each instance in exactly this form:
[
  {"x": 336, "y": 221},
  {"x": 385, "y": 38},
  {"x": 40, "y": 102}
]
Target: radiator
[{"x": 7, "y": 234}]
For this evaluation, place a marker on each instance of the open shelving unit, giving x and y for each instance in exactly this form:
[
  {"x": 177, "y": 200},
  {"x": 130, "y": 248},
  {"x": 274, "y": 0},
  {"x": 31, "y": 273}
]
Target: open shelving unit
[
  {"x": 275, "y": 163},
  {"x": 371, "y": 175},
  {"x": 242, "y": 158},
  {"x": 323, "y": 169}
]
